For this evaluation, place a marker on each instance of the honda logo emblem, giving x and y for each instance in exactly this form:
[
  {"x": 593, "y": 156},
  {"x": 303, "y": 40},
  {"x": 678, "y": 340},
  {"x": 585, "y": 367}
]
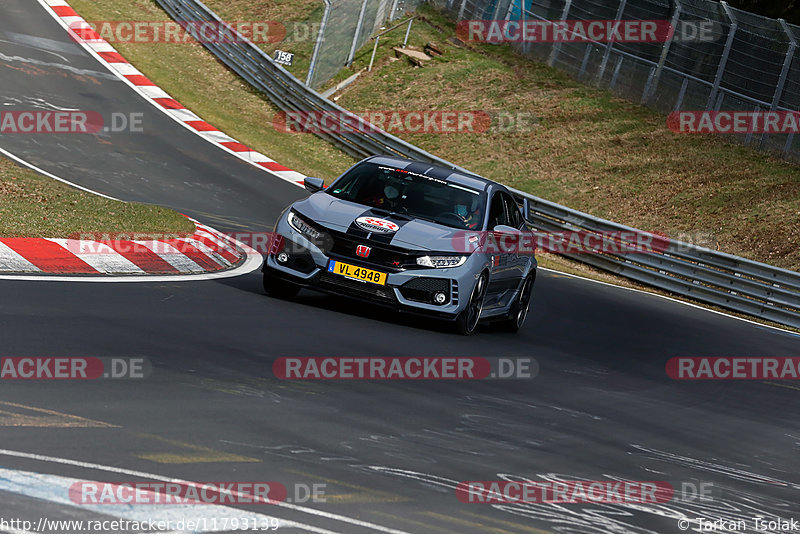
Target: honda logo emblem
[{"x": 363, "y": 251}]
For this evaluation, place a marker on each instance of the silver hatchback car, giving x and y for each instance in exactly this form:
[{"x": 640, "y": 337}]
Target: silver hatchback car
[{"x": 412, "y": 236}]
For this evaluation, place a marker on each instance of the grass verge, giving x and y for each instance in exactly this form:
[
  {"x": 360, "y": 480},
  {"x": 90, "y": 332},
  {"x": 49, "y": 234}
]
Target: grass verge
[{"x": 32, "y": 205}]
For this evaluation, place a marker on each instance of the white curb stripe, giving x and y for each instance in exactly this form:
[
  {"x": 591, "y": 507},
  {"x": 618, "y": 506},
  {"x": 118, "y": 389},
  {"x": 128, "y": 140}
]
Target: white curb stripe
[
  {"x": 172, "y": 256},
  {"x": 102, "y": 258},
  {"x": 11, "y": 260},
  {"x": 202, "y": 247}
]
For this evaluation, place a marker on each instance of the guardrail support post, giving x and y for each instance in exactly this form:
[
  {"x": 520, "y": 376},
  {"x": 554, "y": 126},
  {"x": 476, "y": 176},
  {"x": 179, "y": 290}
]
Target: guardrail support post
[
  {"x": 610, "y": 45},
  {"x": 652, "y": 84},
  {"x": 723, "y": 61},
  {"x": 557, "y": 46}
]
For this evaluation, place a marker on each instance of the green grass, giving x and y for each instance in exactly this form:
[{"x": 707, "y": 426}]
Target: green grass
[{"x": 32, "y": 205}]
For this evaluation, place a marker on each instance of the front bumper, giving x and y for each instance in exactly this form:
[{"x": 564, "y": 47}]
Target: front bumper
[{"x": 408, "y": 290}]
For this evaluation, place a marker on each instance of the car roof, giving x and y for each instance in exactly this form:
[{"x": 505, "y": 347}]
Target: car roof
[{"x": 466, "y": 179}]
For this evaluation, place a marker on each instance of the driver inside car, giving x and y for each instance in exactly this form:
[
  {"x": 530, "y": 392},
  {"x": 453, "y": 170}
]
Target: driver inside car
[{"x": 466, "y": 208}]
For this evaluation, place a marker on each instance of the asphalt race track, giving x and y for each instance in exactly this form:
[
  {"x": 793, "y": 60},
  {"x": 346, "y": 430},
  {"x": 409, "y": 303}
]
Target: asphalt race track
[{"x": 390, "y": 453}]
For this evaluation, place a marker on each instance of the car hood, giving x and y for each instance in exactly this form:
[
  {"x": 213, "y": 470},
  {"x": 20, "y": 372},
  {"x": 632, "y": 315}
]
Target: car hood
[{"x": 415, "y": 234}]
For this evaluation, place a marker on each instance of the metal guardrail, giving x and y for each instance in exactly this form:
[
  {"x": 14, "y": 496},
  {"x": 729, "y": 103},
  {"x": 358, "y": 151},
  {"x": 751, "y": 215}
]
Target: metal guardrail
[{"x": 688, "y": 270}]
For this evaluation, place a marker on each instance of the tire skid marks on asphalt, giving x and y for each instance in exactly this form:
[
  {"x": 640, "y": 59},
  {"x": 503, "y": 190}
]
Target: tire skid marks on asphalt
[
  {"x": 56, "y": 489},
  {"x": 602, "y": 518},
  {"x": 353, "y": 522}
]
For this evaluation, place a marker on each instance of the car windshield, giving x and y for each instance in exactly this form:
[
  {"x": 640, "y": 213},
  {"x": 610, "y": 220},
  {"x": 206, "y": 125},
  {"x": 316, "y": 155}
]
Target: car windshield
[{"x": 412, "y": 194}]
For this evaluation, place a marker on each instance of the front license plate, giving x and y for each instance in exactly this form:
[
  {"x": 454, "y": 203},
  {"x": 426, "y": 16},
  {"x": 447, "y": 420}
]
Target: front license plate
[{"x": 357, "y": 273}]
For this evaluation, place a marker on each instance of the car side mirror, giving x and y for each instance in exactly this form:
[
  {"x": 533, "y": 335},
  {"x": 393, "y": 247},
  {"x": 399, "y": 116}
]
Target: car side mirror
[
  {"x": 506, "y": 230},
  {"x": 313, "y": 184}
]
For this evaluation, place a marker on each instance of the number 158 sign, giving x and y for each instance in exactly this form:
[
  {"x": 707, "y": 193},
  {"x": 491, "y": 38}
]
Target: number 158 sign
[{"x": 284, "y": 58}]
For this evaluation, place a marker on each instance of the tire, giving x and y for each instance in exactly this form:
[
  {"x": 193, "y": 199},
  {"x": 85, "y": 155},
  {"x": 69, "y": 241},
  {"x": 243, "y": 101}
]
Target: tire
[
  {"x": 467, "y": 320},
  {"x": 519, "y": 309},
  {"x": 278, "y": 288}
]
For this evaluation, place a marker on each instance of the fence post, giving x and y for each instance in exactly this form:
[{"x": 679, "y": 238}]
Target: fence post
[
  {"x": 557, "y": 46},
  {"x": 723, "y": 61},
  {"x": 614, "y": 76},
  {"x": 681, "y": 94},
  {"x": 610, "y": 43},
  {"x": 461, "y": 10},
  {"x": 509, "y": 10},
  {"x": 523, "y": 18},
  {"x": 320, "y": 36},
  {"x": 394, "y": 10},
  {"x": 496, "y": 10},
  {"x": 357, "y": 33},
  {"x": 652, "y": 84},
  {"x": 787, "y": 64},
  {"x": 787, "y": 147}
]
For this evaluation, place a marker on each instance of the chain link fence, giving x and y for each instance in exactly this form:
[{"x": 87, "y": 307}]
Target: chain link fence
[
  {"x": 346, "y": 26},
  {"x": 744, "y": 62}
]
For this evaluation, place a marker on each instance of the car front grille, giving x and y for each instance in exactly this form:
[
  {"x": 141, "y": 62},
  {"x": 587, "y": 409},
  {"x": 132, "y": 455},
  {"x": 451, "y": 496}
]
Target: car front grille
[
  {"x": 384, "y": 257},
  {"x": 354, "y": 288}
]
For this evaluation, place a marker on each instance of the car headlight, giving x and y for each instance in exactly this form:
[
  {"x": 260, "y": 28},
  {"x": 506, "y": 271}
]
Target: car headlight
[
  {"x": 299, "y": 224},
  {"x": 441, "y": 262}
]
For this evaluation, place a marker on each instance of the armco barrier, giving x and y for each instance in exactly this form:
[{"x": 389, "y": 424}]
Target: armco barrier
[{"x": 688, "y": 270}]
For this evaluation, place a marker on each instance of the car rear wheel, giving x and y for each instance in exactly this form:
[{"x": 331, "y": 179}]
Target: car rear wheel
[
  {"x": 467, "y": 320},
  {"x": 279, "y": 288},
  {"x": 520, "y": 307}
]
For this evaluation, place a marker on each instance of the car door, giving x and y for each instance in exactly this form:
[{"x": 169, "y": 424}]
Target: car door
[
  {"x": 522, "y": 252},
  {"x": 502, "y": 258}
]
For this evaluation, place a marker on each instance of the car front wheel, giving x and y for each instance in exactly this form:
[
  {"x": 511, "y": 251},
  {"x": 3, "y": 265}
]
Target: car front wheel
[{"x": 467, "y": 320}]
